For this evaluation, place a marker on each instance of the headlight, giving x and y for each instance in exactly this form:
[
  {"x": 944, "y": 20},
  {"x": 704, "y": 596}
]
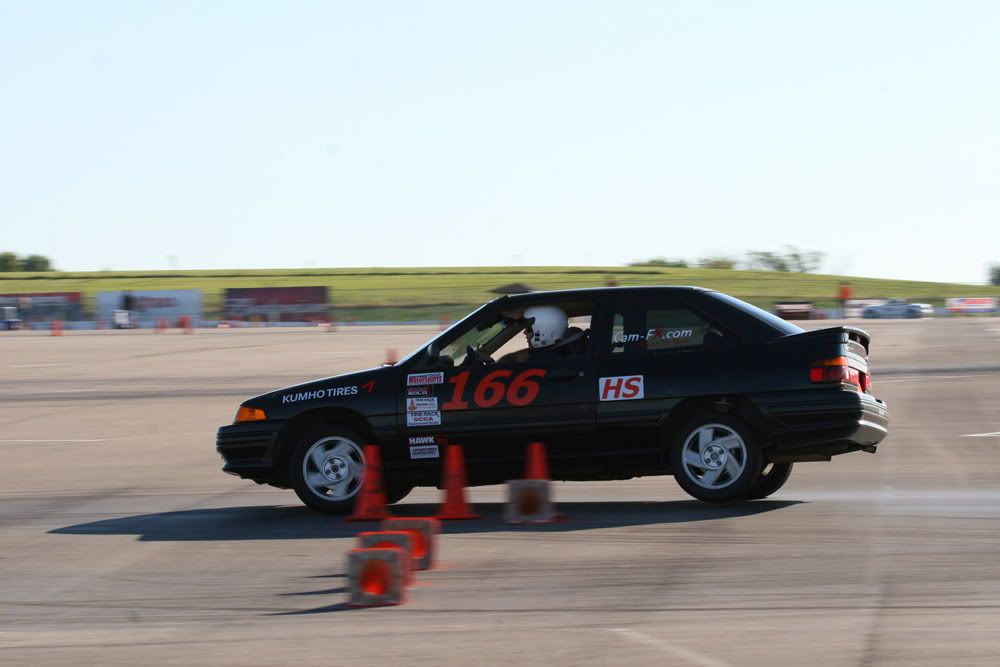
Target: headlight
[{"x": 248, "y": 414}]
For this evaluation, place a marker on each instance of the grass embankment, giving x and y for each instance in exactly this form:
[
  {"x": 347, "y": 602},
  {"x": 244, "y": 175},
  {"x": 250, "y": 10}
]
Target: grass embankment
[{"x": 432, "y": 293}]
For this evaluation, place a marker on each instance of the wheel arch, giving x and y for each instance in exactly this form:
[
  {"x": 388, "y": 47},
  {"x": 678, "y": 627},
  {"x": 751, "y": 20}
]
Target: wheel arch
[
  {"x": 721, "y": 404},
  {"x": 309, "y": 420}
]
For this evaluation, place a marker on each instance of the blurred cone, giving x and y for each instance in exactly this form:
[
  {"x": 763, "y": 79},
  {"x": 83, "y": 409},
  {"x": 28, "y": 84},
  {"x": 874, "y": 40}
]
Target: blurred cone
[
  {"x": 425, "y": 531},
  {"x": 529, "y": 501},
  {"x": 536, "y": 467},
  {"x": 187, "y": 324},
  {"x": 376, "y": 577},
  {"x": 57, "y": 327},
  {"x": 161, "y": 325},
  {"x": 370, "y": 505},
  {"x": 455, "y": 505},
  {"x": 391, "y": 357},
  {"x": 393, "y": 539}
]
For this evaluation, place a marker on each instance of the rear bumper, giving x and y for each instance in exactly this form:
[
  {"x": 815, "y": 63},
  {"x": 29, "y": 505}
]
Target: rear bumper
[
  {"x": 824, "y": 422},
  {"x": 247, "y": 450}
]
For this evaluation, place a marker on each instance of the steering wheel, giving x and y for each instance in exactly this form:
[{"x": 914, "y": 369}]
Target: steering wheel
[{"x": 473, "y": 353}]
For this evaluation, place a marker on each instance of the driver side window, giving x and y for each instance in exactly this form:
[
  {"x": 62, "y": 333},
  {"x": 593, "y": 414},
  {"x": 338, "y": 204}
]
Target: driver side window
[{"x": 522, "y": 334}]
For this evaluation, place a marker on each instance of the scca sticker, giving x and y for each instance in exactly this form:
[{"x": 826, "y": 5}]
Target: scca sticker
[
  {"x": 620, "y": 388},
  {"x": 430, "y": 418}
]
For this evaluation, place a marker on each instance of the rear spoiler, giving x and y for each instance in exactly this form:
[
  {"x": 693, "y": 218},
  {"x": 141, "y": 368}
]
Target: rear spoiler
[{"x": 841, "y": 334}]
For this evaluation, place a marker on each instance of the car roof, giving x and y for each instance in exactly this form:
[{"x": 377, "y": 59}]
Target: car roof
[{"x": 597, "y": 291}]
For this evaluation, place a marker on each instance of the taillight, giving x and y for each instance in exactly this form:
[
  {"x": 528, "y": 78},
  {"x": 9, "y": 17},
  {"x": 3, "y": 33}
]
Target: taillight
[{"x": 838, "y": 370}]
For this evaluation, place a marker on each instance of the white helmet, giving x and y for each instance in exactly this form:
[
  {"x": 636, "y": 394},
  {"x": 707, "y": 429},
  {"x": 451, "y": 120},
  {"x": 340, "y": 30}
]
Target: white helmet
[{"x": 548, "y": 324}]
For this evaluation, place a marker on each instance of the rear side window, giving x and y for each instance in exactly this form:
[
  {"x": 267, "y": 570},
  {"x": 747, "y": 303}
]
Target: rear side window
[
  {"x": 775, "y": 322},
  {"x": 639, "y": 327}
]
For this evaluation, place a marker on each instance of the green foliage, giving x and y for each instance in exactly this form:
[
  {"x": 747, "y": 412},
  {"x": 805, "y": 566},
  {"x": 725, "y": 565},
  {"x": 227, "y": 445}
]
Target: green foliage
[
  {"x": 664, "y": 262},
  {"x": 36, "y": 263},
  {"x": 717, "y": 263},
  {"x": 10, "y": 262},
  {"x": 791, "y": 260}
]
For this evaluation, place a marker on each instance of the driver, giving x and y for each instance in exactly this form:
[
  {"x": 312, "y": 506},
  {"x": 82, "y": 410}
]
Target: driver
[{"x": 546, "y": 328}]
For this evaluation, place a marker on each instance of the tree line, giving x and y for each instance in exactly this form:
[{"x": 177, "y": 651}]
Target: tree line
[
  {"x": 9, "y": 261},
  {"x": 788, "y": 260}
]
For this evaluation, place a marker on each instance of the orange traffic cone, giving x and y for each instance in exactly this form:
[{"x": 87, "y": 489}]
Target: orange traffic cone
[
  {"x": 455, "y": 505},
  {"x": 391, "y": 357},
  {"x": 370, "y": 505},
  {"x": 57, "y": 327},
  {"x": 536, "y": 467}
]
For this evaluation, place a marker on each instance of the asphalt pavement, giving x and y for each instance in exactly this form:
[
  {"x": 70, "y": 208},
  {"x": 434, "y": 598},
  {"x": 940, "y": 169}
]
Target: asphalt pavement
[{"x": 123, "y": 543}]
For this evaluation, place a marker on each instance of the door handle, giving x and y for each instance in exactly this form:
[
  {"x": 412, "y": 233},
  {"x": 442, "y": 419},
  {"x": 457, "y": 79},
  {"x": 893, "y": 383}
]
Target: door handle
[{"x": 564, "y": 375}]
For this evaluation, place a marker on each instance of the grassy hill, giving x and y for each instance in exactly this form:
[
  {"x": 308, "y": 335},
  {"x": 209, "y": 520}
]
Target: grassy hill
[{"x": 431, "y": 293}]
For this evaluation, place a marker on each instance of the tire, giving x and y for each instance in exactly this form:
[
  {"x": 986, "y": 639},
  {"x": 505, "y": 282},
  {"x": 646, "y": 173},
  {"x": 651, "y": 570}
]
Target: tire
[
  {"x": 327, "y": 467},
  {"x": 769, "y": 481},
  {"x": 716, "y": 458}
]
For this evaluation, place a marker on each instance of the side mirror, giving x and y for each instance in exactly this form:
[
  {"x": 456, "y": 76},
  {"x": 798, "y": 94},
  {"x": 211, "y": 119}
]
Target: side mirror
[{"x": 432, "y": 352}]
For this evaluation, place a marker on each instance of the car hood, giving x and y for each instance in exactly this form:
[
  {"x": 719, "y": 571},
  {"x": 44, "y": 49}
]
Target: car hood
[{"x": 332, "y": 389}]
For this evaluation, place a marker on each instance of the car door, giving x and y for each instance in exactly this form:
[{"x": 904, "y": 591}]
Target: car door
[
  {"x": 659, "y": 352},
  {"x": 495, "y": 409}
]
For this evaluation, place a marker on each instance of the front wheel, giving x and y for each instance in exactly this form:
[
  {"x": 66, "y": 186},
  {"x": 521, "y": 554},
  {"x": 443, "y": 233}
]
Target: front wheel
[
  {"x": 771, "y": 479},
  {"x": 716, "y": 458},
  {"x": 327, "y": 468}
]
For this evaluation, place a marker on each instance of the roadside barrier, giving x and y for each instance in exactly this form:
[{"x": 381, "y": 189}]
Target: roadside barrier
[
  {"x": 370, "y": 505},
  {"x": 455, "y": 505},
  {"x": 425, "y": 531},
  {"x": 377, "y": 576},
  {"x": 392, "y": 539},
  {"x": 529, "y": 501}
]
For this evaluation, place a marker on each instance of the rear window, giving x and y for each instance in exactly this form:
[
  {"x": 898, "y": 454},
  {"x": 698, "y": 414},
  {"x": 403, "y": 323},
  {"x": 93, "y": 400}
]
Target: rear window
[{"x": 784, "y": 327}]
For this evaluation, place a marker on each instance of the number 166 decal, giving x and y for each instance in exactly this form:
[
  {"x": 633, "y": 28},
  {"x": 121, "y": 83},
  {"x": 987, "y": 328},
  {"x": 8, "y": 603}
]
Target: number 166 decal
[{"x": 493, "y": 387}]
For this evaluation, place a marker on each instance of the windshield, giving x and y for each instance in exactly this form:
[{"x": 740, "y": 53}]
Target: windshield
[
  {"x": 474, "y": 338},
  {"x": 446, "y": 332},
  {"x": 786, "y": 328}
]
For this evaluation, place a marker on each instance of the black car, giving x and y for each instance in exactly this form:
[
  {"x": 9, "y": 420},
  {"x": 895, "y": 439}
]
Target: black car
[{"x": 678, "y": 381}]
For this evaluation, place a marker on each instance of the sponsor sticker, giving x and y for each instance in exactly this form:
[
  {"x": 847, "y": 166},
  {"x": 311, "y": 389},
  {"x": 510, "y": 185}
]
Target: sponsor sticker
[
  {"x": 425, "y": 451},
  {"x": 429, "y": 418},
  {"x": 418, "y": 391},
  {"x": 620, "y": 388},
  {"x": 651, "y": 334},
  {"x": 421, "y": 404},
  {"x": 332, "y": 392},
  {"x": 417, "y": 379}
]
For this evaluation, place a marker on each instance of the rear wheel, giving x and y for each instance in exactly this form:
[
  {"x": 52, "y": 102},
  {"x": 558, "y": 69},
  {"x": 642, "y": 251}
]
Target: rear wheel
[
  {"x": 771, "y": 479},
  {"x": 327, "y": 468},
  {"x": 716, "y": 458}
]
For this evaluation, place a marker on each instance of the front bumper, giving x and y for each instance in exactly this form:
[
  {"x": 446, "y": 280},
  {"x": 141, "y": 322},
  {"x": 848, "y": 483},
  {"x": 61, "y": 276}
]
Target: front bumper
[
  {"x": 824, "y": 422},
  {"x": 247, "y": 449}
]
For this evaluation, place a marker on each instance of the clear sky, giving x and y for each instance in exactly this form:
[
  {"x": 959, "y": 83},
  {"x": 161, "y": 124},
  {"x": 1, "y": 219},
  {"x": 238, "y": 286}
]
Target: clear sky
[{"x": 369, "y": 133}]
